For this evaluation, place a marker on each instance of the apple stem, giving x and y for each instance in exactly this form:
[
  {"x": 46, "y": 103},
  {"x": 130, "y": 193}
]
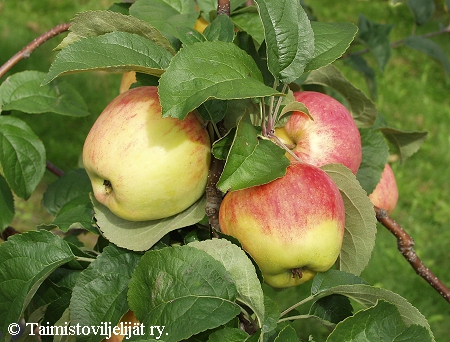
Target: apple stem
[{"x": 277, "y": 140}]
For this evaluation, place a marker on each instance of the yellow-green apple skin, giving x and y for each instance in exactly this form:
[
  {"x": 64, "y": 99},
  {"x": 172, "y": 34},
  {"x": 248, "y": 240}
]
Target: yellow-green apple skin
[
  {"x": 142, "y": 166},
  {"x": 293, "y": 227},
  {"x": 331, "y": 137},
  {"x": 385, "y": 195}
]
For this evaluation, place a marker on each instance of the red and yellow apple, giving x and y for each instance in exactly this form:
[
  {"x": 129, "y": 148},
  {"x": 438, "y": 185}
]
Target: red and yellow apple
[
  {"x": 143, "y": 166},
  {"x": 331, "y": 137},
  {"x": 293, "y": 227},
  {"x": 385, "y": 195}
]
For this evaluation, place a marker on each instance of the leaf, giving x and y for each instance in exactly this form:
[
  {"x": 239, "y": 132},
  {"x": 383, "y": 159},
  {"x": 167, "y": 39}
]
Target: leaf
[
  {"x": 26, "y": 260},
  {"x": 376, "y": 37},
  {"x": 115, "y": 51},
  {"x": 221, "y": 28},
  {"x": 251, "y": 161},
  {"x": 375, "y": 153},
  {"x": 187, "y": 35},
  {"x": 209, "y": 70},
  {"x": 100, "y": 292},
  {"x": 183, "y": 289},
  {"x": 142, "y": 235},
  {"x": 22, "y": 156},
  {"x": 272, "y": 315},
  {"x": 23, "y": 92},
  {"x": 67, "y": 187},
  {"x": 166, "y": 15},
  {"x": 228, "y": 335},
  {"x": 331, "y": 40},
  {"x": 430, "y": 48},
  {"x": 406, "y": 143},
  {"x": 241, "y": 269},
  {"x": 360, "y": 221},
  {"x": 327, "y": 280},
  {"x": 362, "y": 108},
  {"x": 422, "y": 10},
  {"x": 213, "y": 110},
  {"x": 97, "y": 23},
  {"x": 359, "y": 64},
  {"x": 287, "y": 334},
  {"x": 333, "y": 308},
  {"x": 289, "y": 38},
  {"x": 6, "y": 204},
  {"x": 381, "y": 322},
  {"x": 369, "y": 295},
  {"x": 248, "y": 20}
]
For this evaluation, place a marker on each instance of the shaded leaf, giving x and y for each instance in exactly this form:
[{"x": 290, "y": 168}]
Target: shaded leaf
[
  {"x": 228, "y": 335},
  {"x": 331, "y": 40},
  {"x": 115, "y": 51},
  {"x": 142, "y": 235},
  {"x": 22, "y": 156},
  {"x": 327, "y": 280},
  {"x": 221, "y": 28},
  {"x": 333, "y": 308},
  {"x": 362, "y": 108},
  {"x": 360, "y": 221},
  {"x": 26, "y": 260},
  {"x": 359, "y": 64},
  {"x": 406, "y": 143},
  {"x": 88, "y": 24},
  {"x": 287, "y": 334},
  {"x": 251, "y": 161},
  {"x": 422, "y": 10},
  {"x": 209, "y": 70},
  {"x": 23, "y": 92},
  {"x": 289, "y": 38},
  {"x": 183, "y": 289},
  {"x": 249, "y": 21},
  {"x": 6, "y": 204}
]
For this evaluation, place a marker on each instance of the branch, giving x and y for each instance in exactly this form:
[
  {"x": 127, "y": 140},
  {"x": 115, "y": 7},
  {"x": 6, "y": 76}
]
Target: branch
[
  {"x": 223, "y": 7},
  {"x": 406, "y": 247},
  {"x": 27, "y": 50},
  {"x": 54, "y": 169},
  {"x": 214, "y": 195}
]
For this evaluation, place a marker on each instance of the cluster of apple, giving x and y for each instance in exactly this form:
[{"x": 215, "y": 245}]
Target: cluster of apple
[{"x": 145, "y": 167}]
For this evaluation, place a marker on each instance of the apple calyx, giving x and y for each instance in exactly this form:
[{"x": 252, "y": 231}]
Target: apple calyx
[
  {"x": 108, "y": 186},
  {"x": 297, "y": 273}
]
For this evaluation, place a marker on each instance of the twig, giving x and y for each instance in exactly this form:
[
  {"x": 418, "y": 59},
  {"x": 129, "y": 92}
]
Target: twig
[
  {"x": 214, "y": 195},
  {"x": 54, "y": 169},
  {"x": 406, "y": 247},
  {"x": 223, "y": 7},
  {"x": 27, "y": 50}
]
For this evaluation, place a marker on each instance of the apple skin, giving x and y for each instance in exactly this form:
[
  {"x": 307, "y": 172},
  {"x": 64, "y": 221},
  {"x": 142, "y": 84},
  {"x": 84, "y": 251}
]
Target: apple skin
[
  {"x": 156, "y": 167},
  {"x": 294, "y": 223},
  {"x": 385, "y": 195},
  {"x": 332, "y": 137},
  {"x": 129, "y": 321}
]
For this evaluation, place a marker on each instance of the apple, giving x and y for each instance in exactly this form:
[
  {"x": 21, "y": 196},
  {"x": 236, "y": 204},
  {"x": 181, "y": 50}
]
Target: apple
[
  {"x": 200, "y": 24},
  {"x": 385, "y": 195},
  {"x": 128, "y": 78},
  {"x": 292, "y": 227},
  {"x": 126, "y": 325},
  {"x": 331, "y": 137},
  {"x": 142, "y": 166}
]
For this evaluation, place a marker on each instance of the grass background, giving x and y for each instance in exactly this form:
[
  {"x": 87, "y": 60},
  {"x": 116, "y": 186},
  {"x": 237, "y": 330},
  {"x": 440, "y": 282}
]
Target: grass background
[{"x": 413, "y": 94}]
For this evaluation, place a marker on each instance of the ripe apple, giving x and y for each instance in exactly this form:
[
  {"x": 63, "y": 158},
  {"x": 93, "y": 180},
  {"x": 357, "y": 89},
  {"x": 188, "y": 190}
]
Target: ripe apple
[
  {"x": 331, "y": 137},
  {"x": 142, "y": 166},
  {"x": 292, "y": 227},
  {"x": 128, "y": 78},
  {"x": 385, "y": 195}
]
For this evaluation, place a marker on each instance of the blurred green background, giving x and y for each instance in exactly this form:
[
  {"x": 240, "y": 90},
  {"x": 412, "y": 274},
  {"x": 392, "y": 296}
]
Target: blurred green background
[{"x": 413, "y": 94}]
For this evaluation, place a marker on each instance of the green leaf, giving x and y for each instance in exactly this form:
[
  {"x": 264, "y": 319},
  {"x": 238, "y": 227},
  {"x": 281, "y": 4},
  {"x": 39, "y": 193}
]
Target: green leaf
[
  {"x": 26, "y": 260},
  {"x": 213, "y": 110},
  {"x": 359, "y": 64},
  {"x": 289, "y": 38},
  {"x": 406, "y": 143},
  {"x": 375, "y": 153},
  {"x": 430, "y": 48},
  {"x": 97, "y": 23},
  {"x": 333, "y": 308},
  {"x": 362, "y": 108},
  {"x": 23, "y": 92},
  {"x": 183, "y": 289},
  {"x": 331, "y": 278},
  {"x": 251, "y": 161},
  {"x": 221, "y": 28},
  {"x": 22, "y": 156},
  {"x": 422, "y": 10},
  {"x": 6, "y": 204},
  {"x": 249, "y": 21},
  {"x": 381, "y": 322},
  {"x": 241, "y": 269},
  {"x": 209, "y": 70},
  {"x": 100, "y": 293},
  {"x": 142, "y": 235},
  {"x": 287, "y": 334},
  {"x": 67, "y": 187},
  {"x": 376, "y": 37},
  {"x": 369, "y": 295},
  {"x": 166, "y": 15},
  {"x": 331, "y": 40},
  {"x": 187, "y": 35},
  {"x": 360, "y": 221},
  {"x": 115, "y": 51},
  {"x": 228, "y": 335}
]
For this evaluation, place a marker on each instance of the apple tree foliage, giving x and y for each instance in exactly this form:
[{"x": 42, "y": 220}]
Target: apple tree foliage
[{"x": 239, "y": 75}]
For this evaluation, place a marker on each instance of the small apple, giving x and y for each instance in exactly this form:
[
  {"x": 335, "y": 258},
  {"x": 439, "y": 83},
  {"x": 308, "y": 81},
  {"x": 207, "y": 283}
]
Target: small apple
[
  {"x": 385, "y": 195},
  {"x": 128, "y": 78},
  {"x": 127, "y": 322},
  {"x": 200, "y": 24},
  {"x": 331, "y": 137},
  {"x": 292, "y": 227},
  {"x": 142, "y": 166}
]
